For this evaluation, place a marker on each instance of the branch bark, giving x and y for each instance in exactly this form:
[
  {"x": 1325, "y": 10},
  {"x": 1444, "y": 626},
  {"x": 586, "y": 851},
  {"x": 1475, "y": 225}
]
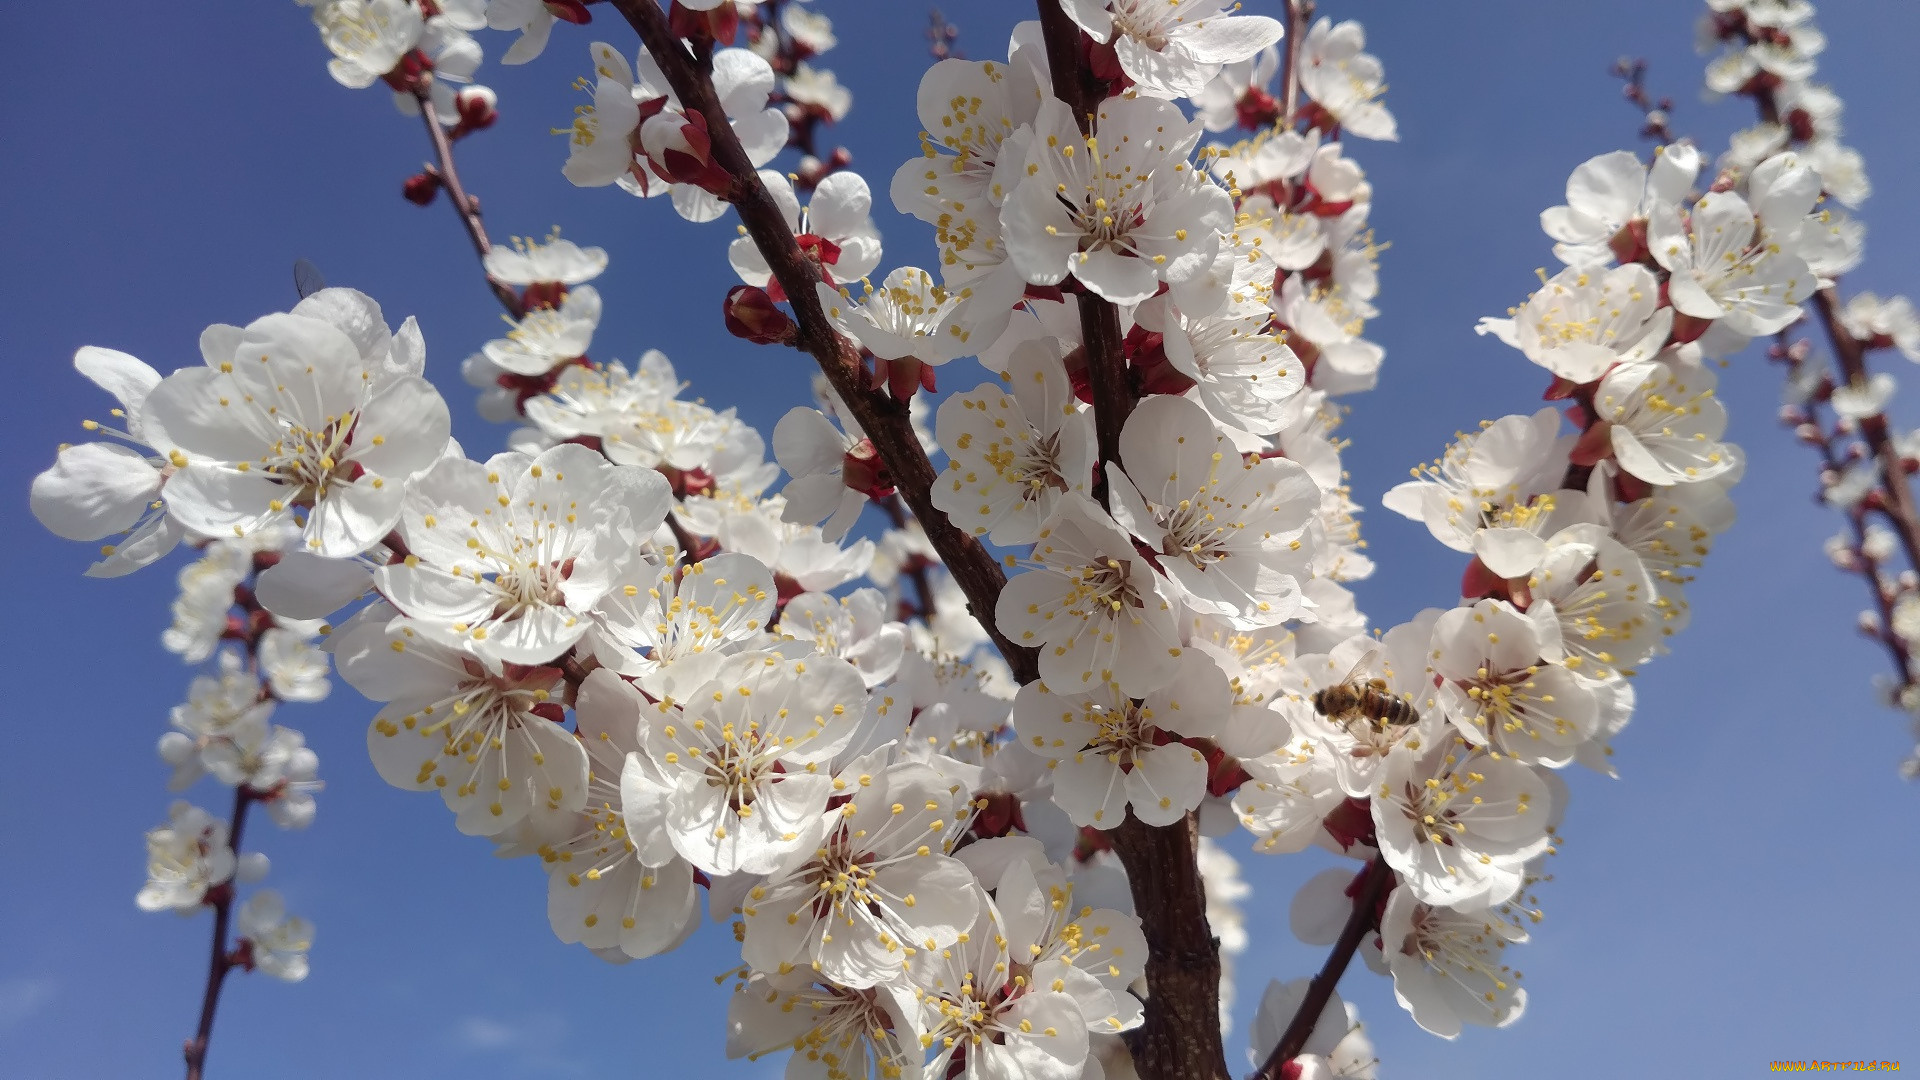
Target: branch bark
[
  {"x": 464, "y": 204},
  {"x": 1299, "y": 14},
  {"x": 1366, "y": 904},
  {"x": 221, "y": 960},
  {"x": 884, "y": 420},
  {"x": 1180, "y": 1038}
]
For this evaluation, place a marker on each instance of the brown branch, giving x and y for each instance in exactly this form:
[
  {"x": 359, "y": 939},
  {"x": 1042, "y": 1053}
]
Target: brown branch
[
  {"x": 464, "y": 204},
  {"x": 884, "y": 420},
  {"x": 221, "y": 961},
  {"x": 1180, "y": 1038},
  {"x": 1299, "y": 15},
  {"x": 915, "y": 567},
  {"x": 1366, "y": 906}
]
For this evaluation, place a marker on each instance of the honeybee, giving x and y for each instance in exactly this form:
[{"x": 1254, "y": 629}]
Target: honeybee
[{"x": 1364, "y": 698}]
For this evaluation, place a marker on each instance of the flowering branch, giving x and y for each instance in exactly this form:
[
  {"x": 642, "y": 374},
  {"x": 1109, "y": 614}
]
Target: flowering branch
[
  {"x": 222, "y": 960},
  {"x": 1073, "y": 83},
  {"x": 464, "y": 204},
  {"x": 885, "y": 421},
  {"x": 1863, "y": 554}
]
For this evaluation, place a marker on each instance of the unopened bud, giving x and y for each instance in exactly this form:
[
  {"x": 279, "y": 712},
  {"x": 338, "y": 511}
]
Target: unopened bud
[
  {"x": 421, "y": 187},
  {"x": 479, "y": 107},
  {"x": 751, "y": 314},
  {"x": 1869, "y": 623},
  {"x": 863, "y": 471}
]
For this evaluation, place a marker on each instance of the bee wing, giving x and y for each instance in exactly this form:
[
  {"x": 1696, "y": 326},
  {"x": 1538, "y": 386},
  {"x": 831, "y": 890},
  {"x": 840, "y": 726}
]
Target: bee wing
[
  {"x": 307, "y": 278},
  {"x": 1368, "y": 661}
]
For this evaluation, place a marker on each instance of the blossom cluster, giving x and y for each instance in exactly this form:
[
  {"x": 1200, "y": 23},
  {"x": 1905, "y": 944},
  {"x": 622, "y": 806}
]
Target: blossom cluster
[
  {"x": 615, "y": 650},
  {"x": 1768, "y": 52}
]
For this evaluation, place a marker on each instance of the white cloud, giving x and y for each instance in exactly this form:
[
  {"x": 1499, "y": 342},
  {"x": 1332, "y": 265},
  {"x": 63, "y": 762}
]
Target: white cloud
[{"x": 22, "y": 998}]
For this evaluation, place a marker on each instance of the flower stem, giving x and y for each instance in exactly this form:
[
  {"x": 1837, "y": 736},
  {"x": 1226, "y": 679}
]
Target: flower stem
[
  {"x": 464, "y": 204},
  {"x": 221, "y": 959}
]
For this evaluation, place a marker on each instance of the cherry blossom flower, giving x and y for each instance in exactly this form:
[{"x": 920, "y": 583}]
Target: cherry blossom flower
[
  {"x": 278, "y": 942},
  {"x": 526, "y": 261},
  {"x": 655, "y": 615},
  {"x": 510, "y": 556},
  {"x": 1664, "y": 422},
  {"x": 292, "y": 416},
  {"x": 833, "y": 1031},
  {"x": 1582, "y": 322},
  {"x": 1505, "y": 464},
  {"x": 96, "y": 489},
  {"x": 835, "y": 225},
  {"x": 738, "y": 756},
  {"x": 1345, "y": 81},
  {"x": 1228, "y": 532},
  {"x": 981, "y": 113},
  {"x": 908, "y": 317},
  {"x": 1609, "y": 193},
  {"x": 624, "y": 894},
  {"x": 969, "y": 1016},
  {"x": 185, "y": 857},
  {"x": 1105, "y": 749},
  {"x": 1013, "y": 452},
  {"x": 1504, "y": 686},
  {"x": 1447, "y": 967},
  {"x": 1459, "y": 825},
  {"x": 1172, "y": 50},
  {"x": 1604, "y": 598},
  {"x": 1719, "y": 270},
  {"x": 367, "y": 37},
  {"x": 878, "y": 885},
  {"x": 833, "y": 474},
  {"x": 489, "y": 743},
  {"x": 1120, "y": 210},
  {"x": 546, "y": 337},
  {"x": 1094, "y": 606},
  {"x": 854, "y": 628}
]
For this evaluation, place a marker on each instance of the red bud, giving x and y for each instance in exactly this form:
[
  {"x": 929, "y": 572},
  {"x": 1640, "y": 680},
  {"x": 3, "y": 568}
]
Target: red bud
[
  {"x": 750, "y": 313},
  {"x": 421, "y": 187}
]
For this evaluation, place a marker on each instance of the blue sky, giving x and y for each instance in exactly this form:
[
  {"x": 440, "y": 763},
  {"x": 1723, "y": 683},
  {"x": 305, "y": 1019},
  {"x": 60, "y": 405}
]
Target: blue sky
[{"x": 1740, "y": 895}]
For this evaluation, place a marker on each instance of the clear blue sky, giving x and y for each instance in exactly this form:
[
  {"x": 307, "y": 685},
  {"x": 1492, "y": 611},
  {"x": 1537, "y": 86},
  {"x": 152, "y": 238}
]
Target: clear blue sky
[{"x": 1744, "y": 893}]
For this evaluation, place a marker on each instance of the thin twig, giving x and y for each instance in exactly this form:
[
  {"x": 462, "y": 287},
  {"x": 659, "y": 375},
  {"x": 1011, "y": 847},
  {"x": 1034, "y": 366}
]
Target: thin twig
[
  {"x": 463, "y": 204},
  {"x": 1299, "y": 14},
  {"x": 884, "y": 420},
  {"x": 1366, "y": 905},
  {"x": 221, "y": 960}
]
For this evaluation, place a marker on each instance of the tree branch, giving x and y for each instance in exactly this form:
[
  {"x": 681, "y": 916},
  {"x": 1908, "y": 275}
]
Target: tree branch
[
  {"x": 1299, "y": 14},
  {"x": 464, "y": 204},
  {"x": 884, "y": 420},
  {"x": 221, "y": 960},
  {"x": 1366, "y": 905},
  {"x": 1180, "y": 1038}
]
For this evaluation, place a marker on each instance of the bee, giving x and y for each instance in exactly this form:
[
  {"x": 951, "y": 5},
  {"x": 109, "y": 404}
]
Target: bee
[{"x": 1364, "y": 698}]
